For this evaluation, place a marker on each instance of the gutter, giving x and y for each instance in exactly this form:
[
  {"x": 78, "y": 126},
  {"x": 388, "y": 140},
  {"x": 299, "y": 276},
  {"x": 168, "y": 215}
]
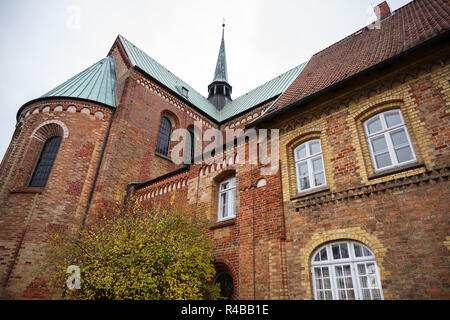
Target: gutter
[{"x": 384, "y": 63}]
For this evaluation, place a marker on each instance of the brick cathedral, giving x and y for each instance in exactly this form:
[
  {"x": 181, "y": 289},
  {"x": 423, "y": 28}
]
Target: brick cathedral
[{"x": 359, "y": 205}]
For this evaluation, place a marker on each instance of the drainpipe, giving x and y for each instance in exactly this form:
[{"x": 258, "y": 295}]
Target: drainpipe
[{"x": 253, "y": 231}]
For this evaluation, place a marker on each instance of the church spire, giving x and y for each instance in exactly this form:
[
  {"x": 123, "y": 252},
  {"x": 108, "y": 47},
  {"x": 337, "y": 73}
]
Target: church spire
[
  {"x": 219, "y": 91},
  {"x": 221, "y": 65}
]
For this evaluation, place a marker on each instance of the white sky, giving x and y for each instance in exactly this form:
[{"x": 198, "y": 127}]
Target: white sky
[{"x": 44, "y": 43}]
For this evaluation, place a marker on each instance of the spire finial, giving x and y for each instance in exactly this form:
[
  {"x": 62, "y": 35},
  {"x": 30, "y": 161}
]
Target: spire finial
[{"x": 223, "y": 23}]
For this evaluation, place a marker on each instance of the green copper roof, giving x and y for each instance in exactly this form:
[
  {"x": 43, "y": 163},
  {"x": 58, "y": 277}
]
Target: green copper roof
[
  {"x": 264, "y": 92},
  {"x": 96, "y": 83},
  {"x": 221, "y": 73},
  {"x": 154, "y": 69}
]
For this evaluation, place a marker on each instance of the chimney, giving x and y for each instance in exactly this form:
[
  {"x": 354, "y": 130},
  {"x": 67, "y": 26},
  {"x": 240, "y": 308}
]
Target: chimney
[{"x": 382, "y": 10}]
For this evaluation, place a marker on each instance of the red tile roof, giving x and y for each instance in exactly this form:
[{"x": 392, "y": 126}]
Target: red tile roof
[{"x": 407, "y": 27}]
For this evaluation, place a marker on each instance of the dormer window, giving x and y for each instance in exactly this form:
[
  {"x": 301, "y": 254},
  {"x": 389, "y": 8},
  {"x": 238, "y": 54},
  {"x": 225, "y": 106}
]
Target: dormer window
[{"x": 185, "y": 92}]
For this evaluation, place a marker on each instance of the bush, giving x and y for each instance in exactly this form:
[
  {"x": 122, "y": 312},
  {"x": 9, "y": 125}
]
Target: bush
[{"x": 136, "y": 253}]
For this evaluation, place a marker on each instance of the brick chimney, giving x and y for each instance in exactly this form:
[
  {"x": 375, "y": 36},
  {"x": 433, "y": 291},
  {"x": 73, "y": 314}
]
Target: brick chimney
[{"x": 382, "y": 10}]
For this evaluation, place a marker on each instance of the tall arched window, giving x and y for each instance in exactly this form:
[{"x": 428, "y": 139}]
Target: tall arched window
[
  {"x": 190, "y": 147},
  {"x": 45, "y": 162},
  {"x": 389, "y": 141},
  {"x": 165, "y": 130},
  {"x": 345, "y": 270},
  {"x": 309, "y": 166}
]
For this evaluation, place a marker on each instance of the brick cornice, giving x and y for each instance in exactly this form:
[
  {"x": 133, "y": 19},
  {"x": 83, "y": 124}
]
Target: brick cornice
[{"x": 326, "y": 197}]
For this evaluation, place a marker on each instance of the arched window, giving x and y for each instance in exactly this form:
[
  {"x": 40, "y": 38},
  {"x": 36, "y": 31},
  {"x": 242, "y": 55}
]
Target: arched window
[
  {"x": 45, "y": 162},
  {"x": 165, "y": 130},
  {"x": 190, "y": 147},
  {"x": 226, "y": 284},
  {"x": 389, "y": 141},
  {"x": 345, "y": 270},
  {"x": 309, "y": 166}
]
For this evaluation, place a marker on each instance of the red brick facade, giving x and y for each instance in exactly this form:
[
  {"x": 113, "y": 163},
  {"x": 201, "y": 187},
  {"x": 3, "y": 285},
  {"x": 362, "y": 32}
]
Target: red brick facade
[{"x": 402, "y": 215}]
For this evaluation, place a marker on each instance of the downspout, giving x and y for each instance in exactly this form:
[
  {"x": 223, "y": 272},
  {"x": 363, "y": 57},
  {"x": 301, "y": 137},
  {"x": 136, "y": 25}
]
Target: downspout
[{"x": 253, "y": 231}]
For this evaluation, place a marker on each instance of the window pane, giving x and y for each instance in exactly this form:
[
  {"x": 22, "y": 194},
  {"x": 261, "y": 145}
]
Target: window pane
[
  {"x": 351, "y": 295},
  {"x": 303, "y": 169},
  {"x": 344, "y": 250},
  {"x": 317, "y": 164},
  {"x": 363, "y": 281},
  {"x": 323, "y": 254},
  {"x": 362, "y": 269},
  {"x": 366, "y": 294},
  {"x": 348, "y": 282},
  {"x": 318, "y": 273},
  {"x": 224, "y": 205},
  {"x": 314, "y": 147},
  {"x": 347, "y": 271},
  {"x": 379, "y": 144},
  {"x": 304, "y": 176},
  {"x": 399, "y": 138},
  {"x": 301, "y": 152},
  {"x": 304, "y": 183},
  {"x": 358, "y": 251},
  {"x": 376, "y": 294},
  {"x": 383, "y": 160},
  {"x": 336, "y": 253},
  {"x": 319, "y": 179},
  {"x": 374, "y": 125},
  {"x": 224, "y": 185},
  {"x": 232, "y": 196},
  {"x": 392, "y": 118},
  {"x": 319, "y": 284},
  {"x": 367, "y": 253},
  {"x": 404, "y": 154},
  {"x": 370, "y": 268}
]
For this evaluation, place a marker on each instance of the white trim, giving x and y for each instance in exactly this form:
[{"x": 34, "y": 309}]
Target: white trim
[
  {"x": 230, "y": 196},
  {"x": 386, "y": 132},
  {"x": 331, "y": 263},
  {"x": 308, "y": 159}
]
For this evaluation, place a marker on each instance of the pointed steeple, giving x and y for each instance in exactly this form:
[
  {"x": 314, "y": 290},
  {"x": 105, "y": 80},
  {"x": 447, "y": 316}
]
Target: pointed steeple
[
  {"x": 221, "y": 66},
  {"x": 219, "y": 91}
]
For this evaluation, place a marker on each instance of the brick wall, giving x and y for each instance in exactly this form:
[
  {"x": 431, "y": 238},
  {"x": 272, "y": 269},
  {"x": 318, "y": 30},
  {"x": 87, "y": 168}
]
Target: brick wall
[
  {"x": 402, "y": 215},
  {"x": 27, "y": 213}
]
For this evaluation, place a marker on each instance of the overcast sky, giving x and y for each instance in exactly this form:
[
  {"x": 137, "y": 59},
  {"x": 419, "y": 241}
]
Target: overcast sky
[{"x": 45, "y": 42}]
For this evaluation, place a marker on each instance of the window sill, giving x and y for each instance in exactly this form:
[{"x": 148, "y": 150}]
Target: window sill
[
  {"x": 396, "y": 170},
  {"x": 309, "y": 193},
  {"x": 27, "y": 190},
  {"x": 223, "y": 223},
  {"x": 163, "y": 156}
]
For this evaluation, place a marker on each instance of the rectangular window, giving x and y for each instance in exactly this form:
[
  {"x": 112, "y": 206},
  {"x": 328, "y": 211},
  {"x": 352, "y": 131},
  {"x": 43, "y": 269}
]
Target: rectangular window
[
  {"x": 309, "y": 166},
  {"x": 389, "y": 142},
  {"x": 227, "y": 197}
]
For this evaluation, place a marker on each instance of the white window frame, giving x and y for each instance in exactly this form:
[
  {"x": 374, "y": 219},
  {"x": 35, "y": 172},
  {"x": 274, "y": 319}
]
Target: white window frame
[
  {"x": 230, "y": 192},
  {"x": 309, "y": 159},
  {"x": 352, "y": 261},
  {"x": 386, "y": 133}
]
